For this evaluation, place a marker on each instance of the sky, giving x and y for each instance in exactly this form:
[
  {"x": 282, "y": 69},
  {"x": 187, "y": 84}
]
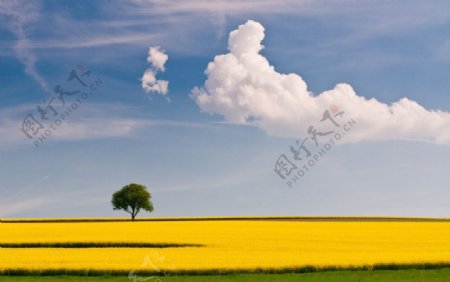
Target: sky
[{"x": 225, "y": 107}]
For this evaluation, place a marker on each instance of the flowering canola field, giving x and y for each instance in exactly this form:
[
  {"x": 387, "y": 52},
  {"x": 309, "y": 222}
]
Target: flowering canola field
[{"x": 223, "y": 244}]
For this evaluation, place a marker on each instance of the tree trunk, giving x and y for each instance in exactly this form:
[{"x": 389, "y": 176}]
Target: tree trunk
[{"x": 133, "y": 216}]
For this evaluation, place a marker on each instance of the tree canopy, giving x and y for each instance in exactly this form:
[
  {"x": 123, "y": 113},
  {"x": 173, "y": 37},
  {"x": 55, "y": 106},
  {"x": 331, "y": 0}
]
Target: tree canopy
[{"x": 132, "y": 198}]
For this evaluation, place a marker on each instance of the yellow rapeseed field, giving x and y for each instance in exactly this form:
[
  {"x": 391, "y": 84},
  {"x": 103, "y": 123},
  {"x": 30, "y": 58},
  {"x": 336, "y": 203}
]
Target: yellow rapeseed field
[{"x": 236, "y": 244}]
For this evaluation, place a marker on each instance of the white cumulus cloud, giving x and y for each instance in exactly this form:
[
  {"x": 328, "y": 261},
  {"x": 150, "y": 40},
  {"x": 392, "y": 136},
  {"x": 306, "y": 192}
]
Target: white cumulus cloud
[
  {"x": 244, "y": 88},
  {"x": 151, "y": 84},
  {"x": 157, "y": 59}
]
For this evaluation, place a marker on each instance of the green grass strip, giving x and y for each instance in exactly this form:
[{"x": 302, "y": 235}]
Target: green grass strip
[
  {"x": 438, "y": 275},
  {"x": 96, "y": 245},
  {"x": 301, "y": 269}
]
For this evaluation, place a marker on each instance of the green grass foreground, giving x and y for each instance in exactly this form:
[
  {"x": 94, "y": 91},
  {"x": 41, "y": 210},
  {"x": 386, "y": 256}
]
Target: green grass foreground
[{"x": 412, "y": 275}]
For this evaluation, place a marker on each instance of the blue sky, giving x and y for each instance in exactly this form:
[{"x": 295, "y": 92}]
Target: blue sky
[{"x": 200, "y": 163}]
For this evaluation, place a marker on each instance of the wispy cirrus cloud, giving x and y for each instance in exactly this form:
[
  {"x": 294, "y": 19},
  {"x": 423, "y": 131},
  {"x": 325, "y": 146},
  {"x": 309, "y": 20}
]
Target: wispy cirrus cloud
[
  {"x": 98, "y": 40},
  {"x": 20, "y": 15},
  {"x": 349, "y": 24},
  {"x": 142, "y": 22},
  {"x": 97, "y": 121},
  {"x": 19, "y": 203},
  {"x": 215, "y": 6},
  {"x": 362, "y": 18}
]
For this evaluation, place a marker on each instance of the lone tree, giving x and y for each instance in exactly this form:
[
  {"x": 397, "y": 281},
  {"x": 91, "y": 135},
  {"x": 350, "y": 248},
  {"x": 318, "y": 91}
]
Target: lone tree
[{"x": 132, "y": 198}]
